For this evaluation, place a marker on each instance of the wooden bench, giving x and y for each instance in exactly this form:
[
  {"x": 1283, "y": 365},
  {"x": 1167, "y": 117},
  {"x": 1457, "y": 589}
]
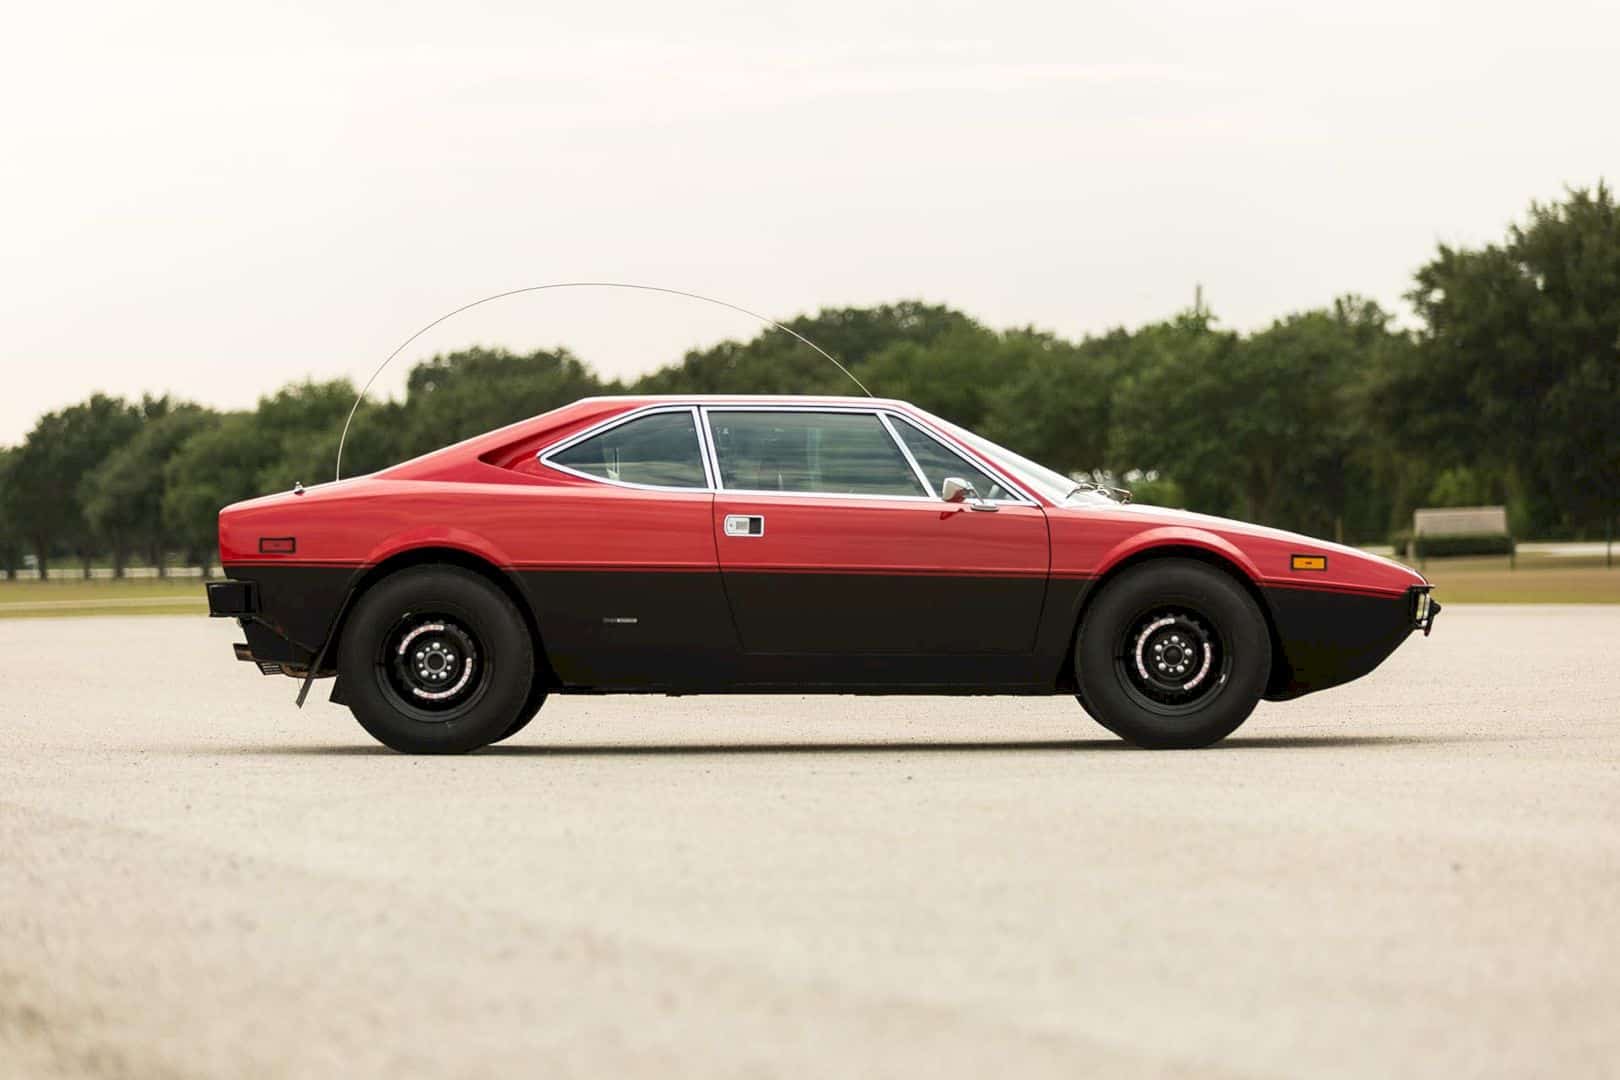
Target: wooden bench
[{"x": 1461, "y": 521}]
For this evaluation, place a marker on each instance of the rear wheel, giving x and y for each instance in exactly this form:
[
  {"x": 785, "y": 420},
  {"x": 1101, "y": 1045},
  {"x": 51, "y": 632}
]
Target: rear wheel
[
  {"x": 436, "y": 660},
  {"x": 1174, "y": 654}
]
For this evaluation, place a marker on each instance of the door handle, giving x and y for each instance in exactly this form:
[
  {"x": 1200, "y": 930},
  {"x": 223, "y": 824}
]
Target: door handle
[{"x": 745, "y": 525}]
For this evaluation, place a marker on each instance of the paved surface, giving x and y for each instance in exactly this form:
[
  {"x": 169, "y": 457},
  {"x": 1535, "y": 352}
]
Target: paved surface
[{"x": 1415, "y": 875}]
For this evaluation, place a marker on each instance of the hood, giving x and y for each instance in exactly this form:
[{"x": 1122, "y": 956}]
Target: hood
[{"x": 1101, "y": 533}]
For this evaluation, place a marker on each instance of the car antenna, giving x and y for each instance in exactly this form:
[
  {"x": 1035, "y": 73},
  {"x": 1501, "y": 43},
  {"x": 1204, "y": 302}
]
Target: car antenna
[{"x": 358, "y": 398}]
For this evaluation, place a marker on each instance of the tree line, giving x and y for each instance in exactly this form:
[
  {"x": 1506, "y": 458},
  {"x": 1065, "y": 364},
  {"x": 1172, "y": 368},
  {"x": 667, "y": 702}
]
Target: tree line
[{"x": 1336, "y": 422}]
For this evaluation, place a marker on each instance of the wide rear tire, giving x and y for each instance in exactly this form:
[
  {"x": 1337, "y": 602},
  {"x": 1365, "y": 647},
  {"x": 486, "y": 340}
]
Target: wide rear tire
[
  {"x": 436, "y": 660},
  {"x": 1174, "y": 654}
]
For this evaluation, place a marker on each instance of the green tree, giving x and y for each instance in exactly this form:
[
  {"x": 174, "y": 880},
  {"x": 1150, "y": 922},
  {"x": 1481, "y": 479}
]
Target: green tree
[
  {"x": 1175, "y": 409},
  {"x": 289, "y": 422},
  {"x": 11, "y": 539},
  {"x": 1334, "y": 481},
  {"x": 1271, "y": 427},
  {"x": 377, "y": 439},
  {"x": 1520, "y": 362},
  {"x": 1056, "y": 403},
  {"x": 61, "y": 450},
  {"x": 215, "y": 466},
  {"x": 1462, "y": 486},
  {"x": 454, "y": 397},
  {"x": 954, "y": 375},
  {"x": 124, "y": 497},
  {"x": 777, "y": 363},
  {"x": 290, "y": 437}
]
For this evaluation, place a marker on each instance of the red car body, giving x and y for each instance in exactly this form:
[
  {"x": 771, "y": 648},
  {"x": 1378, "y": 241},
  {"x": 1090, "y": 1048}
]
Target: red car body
[{"x": 630, "y": 588}]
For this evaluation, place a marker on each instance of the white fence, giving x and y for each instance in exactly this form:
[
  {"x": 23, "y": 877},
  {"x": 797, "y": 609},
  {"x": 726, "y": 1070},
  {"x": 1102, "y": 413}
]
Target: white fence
[{"x": 74, "y": 572}]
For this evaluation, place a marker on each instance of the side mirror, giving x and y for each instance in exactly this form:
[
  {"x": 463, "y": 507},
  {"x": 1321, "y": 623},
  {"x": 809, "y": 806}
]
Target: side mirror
[{"x": 954, "y": 489}]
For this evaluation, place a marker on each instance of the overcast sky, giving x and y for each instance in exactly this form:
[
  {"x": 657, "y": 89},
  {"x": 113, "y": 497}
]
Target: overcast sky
[{"x": 214, "y": 199}]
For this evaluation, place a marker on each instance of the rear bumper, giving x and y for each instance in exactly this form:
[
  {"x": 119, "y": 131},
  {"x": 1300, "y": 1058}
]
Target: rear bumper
[
  {"x": 239, "y": 600},
  {"x": 286, "y": 611},
  {"x": 232, "y": 599}
]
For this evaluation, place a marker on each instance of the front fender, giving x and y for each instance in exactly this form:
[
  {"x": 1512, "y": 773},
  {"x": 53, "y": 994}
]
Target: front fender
[{"x": 1176, "y": 536}]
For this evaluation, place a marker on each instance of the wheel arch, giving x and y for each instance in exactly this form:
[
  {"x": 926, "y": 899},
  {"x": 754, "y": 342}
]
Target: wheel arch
[
  {"x": 440, "y": 555},
  {"x": 1209, "y": 556}
]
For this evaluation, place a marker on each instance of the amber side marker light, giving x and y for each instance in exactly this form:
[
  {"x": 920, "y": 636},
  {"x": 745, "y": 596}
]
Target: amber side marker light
[
  {"x": 278, "y": 545},
  {"x": 1308, "y": 562}
]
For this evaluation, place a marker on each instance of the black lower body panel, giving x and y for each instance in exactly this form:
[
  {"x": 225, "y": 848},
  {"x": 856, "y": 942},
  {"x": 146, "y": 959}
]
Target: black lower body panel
[
  {"x": 1328, "y": 638},
  {"x": 857, "y": 614},
  {"x": 675, "y": 632},
  {"x": 296, "y": 607},
  {"x": 632, "y": 629},
  {"x": 888, "y": 673},
  {"x": 678, "y": 631},
  {"x": 1060, "y": 619}
]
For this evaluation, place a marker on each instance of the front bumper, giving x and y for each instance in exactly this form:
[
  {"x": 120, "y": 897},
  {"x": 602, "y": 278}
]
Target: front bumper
[
  {"x": 1424, "y": 607},
  {"x": 1327, "y": 638}
]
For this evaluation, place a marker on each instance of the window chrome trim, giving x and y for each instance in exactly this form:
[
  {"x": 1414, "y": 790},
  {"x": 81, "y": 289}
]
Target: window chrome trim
[
  {"x": 911, "y": 459},
  {"x": 973, "y": 459},
  {"x": 711, "y": 458},
  {"x": 709, "y": 474}
]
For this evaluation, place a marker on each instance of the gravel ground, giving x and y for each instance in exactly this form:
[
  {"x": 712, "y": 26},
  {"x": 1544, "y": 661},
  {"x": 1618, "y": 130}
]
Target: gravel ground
[{"x": 1414, "y": 875}]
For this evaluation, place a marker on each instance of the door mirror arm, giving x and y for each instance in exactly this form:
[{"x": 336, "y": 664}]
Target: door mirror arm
[{"x": 954, "y": 489}]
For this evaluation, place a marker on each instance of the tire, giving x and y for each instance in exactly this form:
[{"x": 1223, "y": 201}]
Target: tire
[
  {"x": 436, "y": 660},
  {"x": 1174, "y": 654},
  {"x": 531, "y": 709}
]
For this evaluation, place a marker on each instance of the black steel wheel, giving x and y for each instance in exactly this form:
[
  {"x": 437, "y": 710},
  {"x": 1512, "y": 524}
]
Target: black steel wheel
[
  {"x": 1173, "y": 654},
  {"x": 431, "y": 666},
  {"x": 1172, "y": 660},
  {"x": 436, "y": 660}
]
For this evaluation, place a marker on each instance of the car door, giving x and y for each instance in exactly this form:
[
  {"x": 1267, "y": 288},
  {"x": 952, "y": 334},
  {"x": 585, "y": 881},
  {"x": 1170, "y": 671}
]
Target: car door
[
  {"x": 621, "y": 571},
  {"x": 833, "y": 543}
]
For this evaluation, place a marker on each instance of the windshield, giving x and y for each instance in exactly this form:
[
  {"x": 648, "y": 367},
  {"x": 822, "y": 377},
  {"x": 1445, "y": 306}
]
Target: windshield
[{"x": 1048, "y": 483}]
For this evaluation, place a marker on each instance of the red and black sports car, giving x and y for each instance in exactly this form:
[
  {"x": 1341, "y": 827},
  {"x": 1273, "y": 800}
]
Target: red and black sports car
[{"x": 757, "y": 545}]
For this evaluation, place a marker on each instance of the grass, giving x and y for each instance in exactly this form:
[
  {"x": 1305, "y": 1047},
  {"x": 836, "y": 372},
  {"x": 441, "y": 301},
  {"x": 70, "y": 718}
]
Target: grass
[
  {"x": 37, "y": 599},
  {"x": 1538, "y": 579}
]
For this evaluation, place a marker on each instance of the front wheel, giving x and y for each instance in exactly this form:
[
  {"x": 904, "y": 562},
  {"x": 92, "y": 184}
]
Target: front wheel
[
  {"x": 1174, "y": 654},
  {"x": 436, "y": 660},
  {"x": 531, "y": 709}
]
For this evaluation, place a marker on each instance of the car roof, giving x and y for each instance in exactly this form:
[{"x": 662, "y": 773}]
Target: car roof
[
  {"x": 598, "y": 408},
  {"x": 750, "y": 399}
]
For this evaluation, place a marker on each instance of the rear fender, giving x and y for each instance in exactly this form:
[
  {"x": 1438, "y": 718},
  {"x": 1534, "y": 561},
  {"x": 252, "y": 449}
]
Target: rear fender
[{"x": 441, "y": 537}]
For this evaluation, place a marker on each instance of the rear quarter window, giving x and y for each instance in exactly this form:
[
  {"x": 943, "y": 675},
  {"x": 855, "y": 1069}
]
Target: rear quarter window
[{"x": 660, "y": 450}]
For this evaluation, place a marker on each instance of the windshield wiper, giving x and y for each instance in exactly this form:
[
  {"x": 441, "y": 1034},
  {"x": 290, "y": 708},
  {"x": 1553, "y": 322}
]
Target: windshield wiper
[
  {"x": 1112, "y": 494},
  {"x": 1088, "y": 487}
]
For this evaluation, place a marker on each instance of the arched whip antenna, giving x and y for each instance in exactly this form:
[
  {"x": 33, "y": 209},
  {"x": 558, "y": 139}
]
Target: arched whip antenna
[{"x": 361, "y": 396}]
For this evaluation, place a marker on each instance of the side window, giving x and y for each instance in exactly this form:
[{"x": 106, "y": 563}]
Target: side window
[
  {"x": 829, "y": 453},
  {"x": 661, "y": 450},
  {"x": 938, "y": 461}
]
